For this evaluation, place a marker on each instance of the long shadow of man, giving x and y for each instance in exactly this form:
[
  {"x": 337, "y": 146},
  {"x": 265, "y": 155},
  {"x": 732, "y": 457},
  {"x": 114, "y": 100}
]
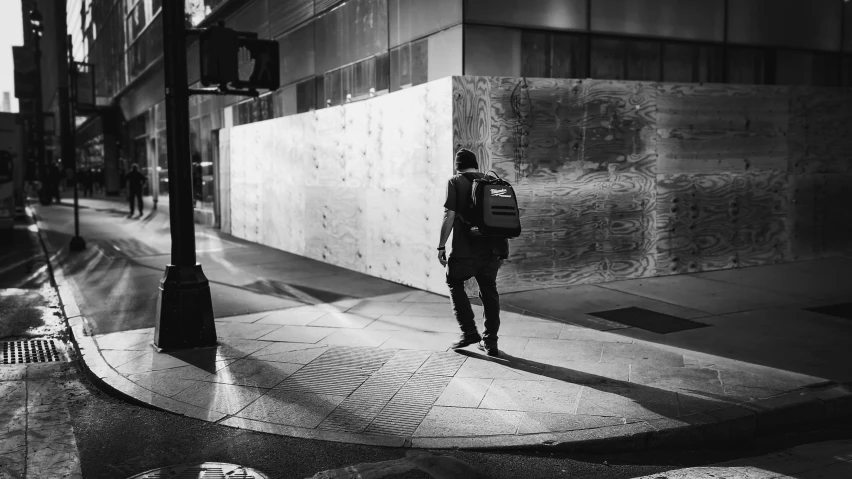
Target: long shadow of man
[{"x": 626, "y": 399}]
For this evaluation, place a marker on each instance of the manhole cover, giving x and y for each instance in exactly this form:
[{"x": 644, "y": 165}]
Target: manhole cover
[
  {"x": 33, "y": 351},
  {"x": 207, "y": 470}
]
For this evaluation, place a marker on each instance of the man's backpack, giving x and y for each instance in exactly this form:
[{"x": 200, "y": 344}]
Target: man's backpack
[{"x": 492, "y": 209}]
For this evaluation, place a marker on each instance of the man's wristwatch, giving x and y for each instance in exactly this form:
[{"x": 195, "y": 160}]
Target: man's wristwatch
[{"x": 441, "y": 248}]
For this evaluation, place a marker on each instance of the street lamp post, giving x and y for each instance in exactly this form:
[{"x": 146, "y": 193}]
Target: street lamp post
[
  {"x": 37, "y": 29},
  {"x": 185, "y": 307},
  {"x": 69, "y": 140}
]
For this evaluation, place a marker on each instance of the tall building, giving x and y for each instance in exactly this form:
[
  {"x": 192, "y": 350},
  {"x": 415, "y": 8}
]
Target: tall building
[{"x": 334, "y": 52}]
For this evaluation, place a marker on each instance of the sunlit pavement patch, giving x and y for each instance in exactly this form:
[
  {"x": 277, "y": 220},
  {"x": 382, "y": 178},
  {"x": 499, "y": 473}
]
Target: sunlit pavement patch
[
  {"x": 206, "y": 470},
  {"x": 438, "y": 467}
]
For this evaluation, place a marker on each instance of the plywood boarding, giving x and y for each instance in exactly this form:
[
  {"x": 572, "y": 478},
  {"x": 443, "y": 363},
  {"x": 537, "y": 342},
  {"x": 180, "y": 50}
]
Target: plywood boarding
[
  {"x": 716, "y": 128},
  {"x": 722, "y": 190},
  {"x": 584, "y": 175},
  {"x": 721, "y": 220},
  {"x": 820, "y": 131},
  {"x": 630, "y": 179},
  {"x": 615, "y": 179},
  {"x": 820, "y": 220},
  {"x": 360, "y": 186},
  {"x": 820, "y": 166}
]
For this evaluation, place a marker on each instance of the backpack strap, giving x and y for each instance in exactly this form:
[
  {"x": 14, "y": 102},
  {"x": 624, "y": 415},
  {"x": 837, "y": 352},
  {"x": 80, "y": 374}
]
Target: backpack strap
[{"x": 470, "y": 176}]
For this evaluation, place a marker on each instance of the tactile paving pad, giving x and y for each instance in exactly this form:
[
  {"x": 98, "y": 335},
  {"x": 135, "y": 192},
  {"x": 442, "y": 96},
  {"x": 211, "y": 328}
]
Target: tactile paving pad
[
  {"x": 409, "y": 406},
  {"x": 442, "y": 364},
  {"x": 320, "y": 380},
  {"x": 357, "y": 411},
  {"x": 353, "y": 358}
]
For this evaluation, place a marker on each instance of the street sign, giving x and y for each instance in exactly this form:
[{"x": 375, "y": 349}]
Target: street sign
[
  {"x": 83, "y": 86},
  {"x": 238, "y": 59}
]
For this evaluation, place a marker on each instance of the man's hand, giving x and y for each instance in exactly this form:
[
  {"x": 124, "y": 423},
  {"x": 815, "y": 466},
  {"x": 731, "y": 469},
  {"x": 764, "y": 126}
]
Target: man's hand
[{"x": 442, "y": 257}]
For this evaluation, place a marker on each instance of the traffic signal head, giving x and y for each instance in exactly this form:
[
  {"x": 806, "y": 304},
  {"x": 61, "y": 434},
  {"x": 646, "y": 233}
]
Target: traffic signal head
[{"x": 238, "y": 59}]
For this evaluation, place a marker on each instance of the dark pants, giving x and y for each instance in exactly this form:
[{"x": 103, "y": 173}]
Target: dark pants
[
  {"x": 484, "y": 270},
  {"x": 135, "y": 195}
]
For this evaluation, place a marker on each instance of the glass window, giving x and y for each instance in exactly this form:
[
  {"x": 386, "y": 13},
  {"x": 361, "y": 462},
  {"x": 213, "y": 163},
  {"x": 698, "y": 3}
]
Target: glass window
[
  {"x": 535, "y": 54},
  {"x": 826, "y": 69},
  {"x": 608, "y": 59},
  {"x": 643, "y": 60},
  {"x": 136, "y": 21},
  {"x": 711, "y": 64},
  {"x": 409, "y": 65},
  {"x": 746, "y": 65},
  {"x": 680, "y": 62},
  {"x": 568, "y": 56}
]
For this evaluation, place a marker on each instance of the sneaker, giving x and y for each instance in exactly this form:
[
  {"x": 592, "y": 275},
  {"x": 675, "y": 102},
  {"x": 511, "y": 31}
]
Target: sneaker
[
  {"x": 466, "y": 340},
  {"x": 489, "y": 349}
]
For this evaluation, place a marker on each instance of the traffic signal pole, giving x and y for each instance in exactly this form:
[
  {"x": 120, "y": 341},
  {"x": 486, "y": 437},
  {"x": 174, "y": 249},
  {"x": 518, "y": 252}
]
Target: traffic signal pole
[
  {"x": 185, "y": 317},
  {"x": 69, "y": 132}
]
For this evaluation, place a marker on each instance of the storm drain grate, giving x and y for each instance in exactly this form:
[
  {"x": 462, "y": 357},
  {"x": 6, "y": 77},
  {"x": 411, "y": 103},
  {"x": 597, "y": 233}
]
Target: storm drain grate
[
  {"x": 207, "y": 470},
  {"x": 26, "y": 352}
]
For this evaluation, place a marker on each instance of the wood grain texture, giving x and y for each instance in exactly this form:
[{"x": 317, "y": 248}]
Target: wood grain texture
[
  {"x": 360, "y": 186},
  {"x": 472, "y": 117},
  {"x": 820, "y": 139},
  {"x": 820, "y": 217},
  {"x": 714, "y": 128},
  {"x": 584, "y": 177},
  {"x": 614, "y": 180},
  {"x": 723, "y": 220}
]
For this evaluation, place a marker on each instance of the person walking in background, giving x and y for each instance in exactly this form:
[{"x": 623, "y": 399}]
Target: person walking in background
[
  {"x": 135, "y": 181},
  {"x": 55, "y": 177},
  {"x": 470, "y": 257},
  {"x": 86, "y": 181}
]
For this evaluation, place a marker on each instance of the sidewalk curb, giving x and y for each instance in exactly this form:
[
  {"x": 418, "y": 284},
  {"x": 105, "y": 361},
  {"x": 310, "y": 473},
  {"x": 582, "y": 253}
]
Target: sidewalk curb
[{"x": 798, "y": 410}]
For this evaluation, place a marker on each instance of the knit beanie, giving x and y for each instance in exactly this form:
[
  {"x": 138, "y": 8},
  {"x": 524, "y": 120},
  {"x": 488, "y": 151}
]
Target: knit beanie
[{"x": 466, "y": 159}]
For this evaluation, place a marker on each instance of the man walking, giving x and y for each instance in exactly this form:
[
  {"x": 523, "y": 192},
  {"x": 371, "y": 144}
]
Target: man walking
[
  {"x": 135, "y": 180},
  {"x": 470, "y": 257}
]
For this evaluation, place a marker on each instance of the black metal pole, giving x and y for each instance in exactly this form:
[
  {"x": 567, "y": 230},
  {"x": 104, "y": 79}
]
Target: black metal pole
[
  {"x": 69, "y": 137},
  {"x": 185, "y": 307},
  {"x": 44, "y": 193}
]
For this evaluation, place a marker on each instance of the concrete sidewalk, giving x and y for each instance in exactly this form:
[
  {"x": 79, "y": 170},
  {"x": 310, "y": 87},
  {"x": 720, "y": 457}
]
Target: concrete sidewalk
[{"x": 311, "y": 350}]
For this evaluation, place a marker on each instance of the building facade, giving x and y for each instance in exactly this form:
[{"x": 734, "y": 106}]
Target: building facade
[{"x": 335, "y": 52}]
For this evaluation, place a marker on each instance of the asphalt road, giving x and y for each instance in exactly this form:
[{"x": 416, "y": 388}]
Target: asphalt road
[{"x": 117, "y": 439}]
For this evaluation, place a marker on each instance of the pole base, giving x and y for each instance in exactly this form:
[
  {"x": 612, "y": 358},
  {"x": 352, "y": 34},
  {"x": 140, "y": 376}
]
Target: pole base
[
  {"x": 185, "y": 308},
  {"x": 78, "y": 243}
]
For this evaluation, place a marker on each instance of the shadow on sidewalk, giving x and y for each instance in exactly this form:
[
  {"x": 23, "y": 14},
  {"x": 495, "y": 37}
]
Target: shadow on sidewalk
[{"x": 661, "y": 402}]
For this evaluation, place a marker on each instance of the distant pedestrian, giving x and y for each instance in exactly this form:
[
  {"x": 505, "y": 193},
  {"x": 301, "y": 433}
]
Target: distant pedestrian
[
  {"x": 470, "y": 257},
  {"x": 86, "y": 182},
  {"x": 55, "y": 177},
  {"x": 135, "y": 180}
]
